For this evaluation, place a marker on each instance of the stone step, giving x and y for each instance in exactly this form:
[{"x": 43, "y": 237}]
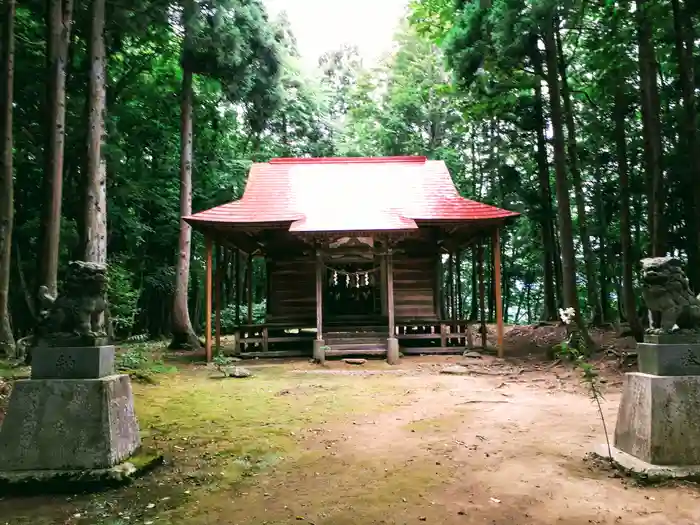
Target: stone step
[
  {"x": 355, "y": 350},
  {"x": 362, "y": 339}
]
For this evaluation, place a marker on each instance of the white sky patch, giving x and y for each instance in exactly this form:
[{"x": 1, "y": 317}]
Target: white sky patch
[{"x": 325, "y": 25}]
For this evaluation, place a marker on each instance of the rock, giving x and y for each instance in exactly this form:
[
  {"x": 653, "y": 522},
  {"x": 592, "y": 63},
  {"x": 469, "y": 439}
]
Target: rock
[
  {"x": 238, "y": 372},
  {"x": 475, "y": 355},
  {"x": 456, "y": 370},
  {"x": 351, "y": 361}
]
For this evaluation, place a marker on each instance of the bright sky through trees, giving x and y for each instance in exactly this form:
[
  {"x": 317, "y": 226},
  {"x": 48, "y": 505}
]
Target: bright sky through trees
[{"x": 324, "y": 25}]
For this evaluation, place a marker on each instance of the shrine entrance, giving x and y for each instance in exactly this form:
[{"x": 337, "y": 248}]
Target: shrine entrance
[{"x": 352, "y": 290}]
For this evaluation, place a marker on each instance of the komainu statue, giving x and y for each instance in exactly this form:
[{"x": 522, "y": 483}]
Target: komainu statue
[
  {"x": 665, "y": 290},
  {"x": 73, "y": 318}
]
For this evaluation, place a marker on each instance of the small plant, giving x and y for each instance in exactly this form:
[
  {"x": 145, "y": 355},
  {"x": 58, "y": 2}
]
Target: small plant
[
  {"x": 221, "y": 362},
  {"x": 138, "y": 362},
  {"x": 589, "y": 375}
]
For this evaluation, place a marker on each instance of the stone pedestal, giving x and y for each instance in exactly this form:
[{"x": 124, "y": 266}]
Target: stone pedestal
[
  {"x": 69, "y": 424},
  {"x": 658, "y": 424},
  {"x": 392, "y": 351},
  {"x": 73, "y": 414}
]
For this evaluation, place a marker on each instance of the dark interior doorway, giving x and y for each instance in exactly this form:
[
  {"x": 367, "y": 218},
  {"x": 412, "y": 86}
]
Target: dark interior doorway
[{"x": 352, "y": 289}]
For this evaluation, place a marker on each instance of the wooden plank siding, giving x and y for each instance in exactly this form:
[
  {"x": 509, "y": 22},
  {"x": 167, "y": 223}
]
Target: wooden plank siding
[
  {"x": 292, "y": 290},
  {"x": 414, "y": 286}
]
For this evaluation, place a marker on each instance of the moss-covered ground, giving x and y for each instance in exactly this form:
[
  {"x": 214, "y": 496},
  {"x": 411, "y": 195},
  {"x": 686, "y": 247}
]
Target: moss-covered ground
[{"x": 347, "y": 445}]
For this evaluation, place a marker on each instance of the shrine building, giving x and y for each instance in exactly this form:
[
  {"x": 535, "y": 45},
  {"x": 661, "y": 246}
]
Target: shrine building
[{"x": 361, "y": 257}]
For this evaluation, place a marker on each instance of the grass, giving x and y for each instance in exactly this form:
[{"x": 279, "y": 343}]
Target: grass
[{"x": 217, "y": 436}]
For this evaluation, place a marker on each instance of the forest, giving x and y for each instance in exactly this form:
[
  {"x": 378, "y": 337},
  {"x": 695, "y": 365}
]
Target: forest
[{"x": 118, "y": 118}]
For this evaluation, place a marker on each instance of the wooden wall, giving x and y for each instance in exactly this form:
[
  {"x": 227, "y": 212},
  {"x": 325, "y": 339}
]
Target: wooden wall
[
  {"x": 415, "y": 283},
  {"x": 292, "y": 290}
]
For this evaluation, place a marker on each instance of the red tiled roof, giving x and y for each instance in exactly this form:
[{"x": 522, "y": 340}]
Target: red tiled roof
[{"x": 349, "y": 194}]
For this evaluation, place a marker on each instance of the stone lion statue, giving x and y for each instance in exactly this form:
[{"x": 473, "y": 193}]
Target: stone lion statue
[
  {"x": 73, "y": 317},
  {"x": 665, "y": 290}
]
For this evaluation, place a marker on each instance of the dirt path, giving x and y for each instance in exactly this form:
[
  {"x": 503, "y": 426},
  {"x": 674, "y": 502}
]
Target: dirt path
[{"x": 501, "y": 449}]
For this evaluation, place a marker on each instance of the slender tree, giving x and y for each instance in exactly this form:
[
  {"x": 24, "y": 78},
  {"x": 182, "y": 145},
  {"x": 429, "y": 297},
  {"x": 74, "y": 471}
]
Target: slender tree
[
  {"x": 60, "y": 19},
  {"x": 566, "y": 239},
  {"x": 7, "y": 53},
  {"x": 651, "y": 126},
  {"x": 95, "y": 224},
  {"x": 183, "y": 333}
]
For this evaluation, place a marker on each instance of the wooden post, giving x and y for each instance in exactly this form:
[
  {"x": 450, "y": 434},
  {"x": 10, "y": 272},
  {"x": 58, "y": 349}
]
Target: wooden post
[
  {"x": 496, "y": 248},
  {"x": 438, "y": 286},
  {"x": 207, "y": 337},
  {"x": 250, "y": 289},
  {"x": 319, "y": 296},
  {"x": 237, "y": 279},
  {"x": 390, "y": 292},
  {"x": 217, "y": 297},
  {"x": 460, "y": 305},
  {"x": 453, "y": 296},
  {"x": 482, "y": 293},
  {"x": 382, "y": 280},
  {"x": 268, "y": 284}
]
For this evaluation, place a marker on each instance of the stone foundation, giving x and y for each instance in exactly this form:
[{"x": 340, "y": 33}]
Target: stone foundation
[
  {"x": 392, "y": 351},
  {"x": 69, "y": 424},
  {"x": 319, "y": 351}
]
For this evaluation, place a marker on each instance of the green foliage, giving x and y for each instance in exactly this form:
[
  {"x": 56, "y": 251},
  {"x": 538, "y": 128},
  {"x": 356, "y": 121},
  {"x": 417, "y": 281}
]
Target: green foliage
[
  {"x": 228, "y": 316},
  {"x": 123, "y": 296},
  {"x": 141, "y": 363}
]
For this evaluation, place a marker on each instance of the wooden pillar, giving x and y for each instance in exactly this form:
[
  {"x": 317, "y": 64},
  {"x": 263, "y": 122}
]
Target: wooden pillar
[
  {"x": 482, "y": 293},
  {"x": 453, "y": 293},
  {"x": 496, "y": 249},
  {"x": 268, "y": 284},
  {"x": 237, "y": 279},
  {"x": 390, "y": 292},
  {"x": 438, "y": 286},
  {"x": 382, "y": 287},
  {"x": 207, "y": 337},
  {"x": 458, "y": 277},
  {"x": 217, "y": 296},
  {"x": 319, "y": 296},
  {"x": 460, "y": 299},
  {"x": 249, "y": 278}
]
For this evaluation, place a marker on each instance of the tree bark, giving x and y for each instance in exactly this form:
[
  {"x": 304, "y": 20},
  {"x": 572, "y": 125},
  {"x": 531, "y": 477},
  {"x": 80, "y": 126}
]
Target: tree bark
[
  {"x": 684, "y": 42},
  {"x": 651, "y": 127},
  {"x": 568, "y": 260},
  {"x": 95, "y": 212},
  {"x": 603, "y": 278},
  {"x": 183, "y": 333},
  {"x": 589, "y": 264},
  {"x": 60, "y": 20},
  {"x": 95, "y": 235},
  {"x": 7, "y": 56},
  {"x": 549, "y": 312},
  {"x": 628, "y": 299}
]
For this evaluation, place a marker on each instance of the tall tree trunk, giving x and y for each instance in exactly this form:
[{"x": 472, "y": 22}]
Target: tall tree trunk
[
  {"x": 602, "y": 252},
  {"x": 589, "y": 264},
  {"x": 95, "y": 235},
  {"x": 628, "y": 298},
  {"x": 60, "y": 19},
  {"x": 95, "y": 212},
  {"x": 684, "y": 43},
  {"x": 7, "y": 56},
  {"x": 651, "y": 127},
  {"x": 183, "y": 333},
  {"x": 566, "y": 239},
  {"x": 549, "y": 312}
]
